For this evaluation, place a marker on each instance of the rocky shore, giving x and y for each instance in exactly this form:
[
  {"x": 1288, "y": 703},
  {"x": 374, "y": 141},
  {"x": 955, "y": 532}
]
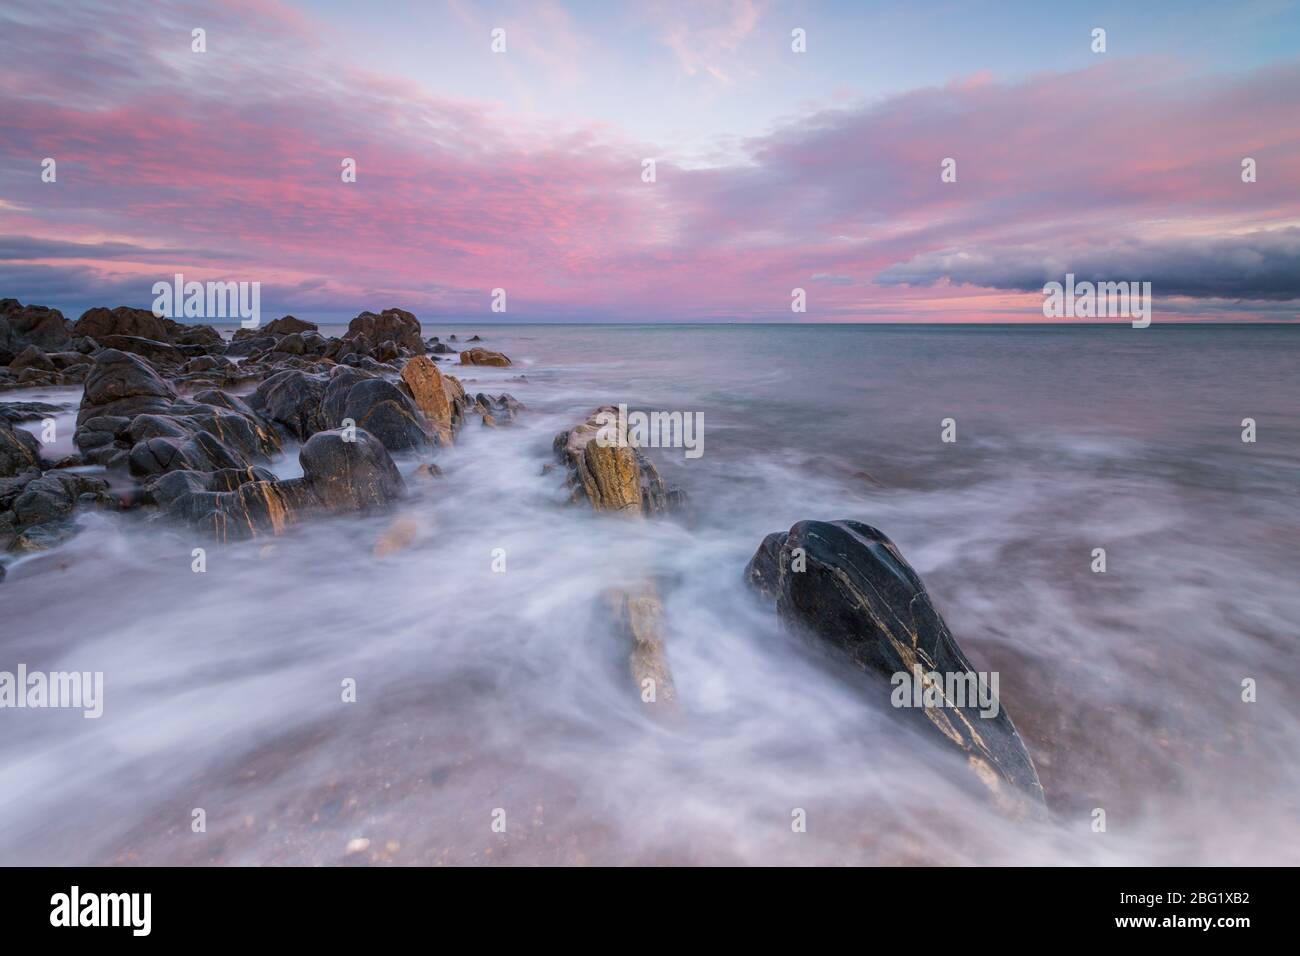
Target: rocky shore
[{"x": 179, "y": 424}]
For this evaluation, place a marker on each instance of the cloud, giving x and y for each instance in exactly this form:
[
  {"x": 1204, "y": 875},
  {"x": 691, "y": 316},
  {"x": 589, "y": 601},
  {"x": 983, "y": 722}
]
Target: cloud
[
  {"x": 228, "y": 165},
  {"x": 1262, "y": 265}
]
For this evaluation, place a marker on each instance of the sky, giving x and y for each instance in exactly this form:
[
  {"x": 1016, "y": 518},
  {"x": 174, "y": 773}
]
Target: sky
[{"x": 774, "y": 170}]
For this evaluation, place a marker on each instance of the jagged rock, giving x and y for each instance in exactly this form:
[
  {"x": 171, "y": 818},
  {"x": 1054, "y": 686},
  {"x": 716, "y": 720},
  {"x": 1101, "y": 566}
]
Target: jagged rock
[
  {"x": 285, "y": 325},
  {"x": 31, "y": 357},
  {"x": 856, "y": 594},
  {"x": 350, "y": 475},
  {"x": 19, "y": 450},
  {"x": 21, "y": 326},
  {"x": 436, "y": 396},
  {"x": 503, "y": 408},
  {"x": 478, "y": 356},
  {"x": 400, "y": 326},
  {"x": 611, "y": 474}
]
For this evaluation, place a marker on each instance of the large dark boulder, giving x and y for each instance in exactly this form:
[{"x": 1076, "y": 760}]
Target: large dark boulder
[
  {"x": 24, "y": 325},
  {"x": 396, "y": 324},
  {"x": 847, "y": 584},
  {"x": 123, "y": 384},
  {"x": 386, "y": 412},
  {"x": 348, "y": 475},
  {"x": 162, "y": 453},
  {"x": 99, "y": 323},
  {"x": 292, "y": 399}
]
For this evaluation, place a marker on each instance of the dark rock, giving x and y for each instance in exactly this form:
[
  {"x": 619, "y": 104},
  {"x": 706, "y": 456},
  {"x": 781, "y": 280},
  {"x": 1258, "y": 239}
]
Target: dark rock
[
  {"x": 53, "y": 496},
  {"x": 350, "y": 475},
  {"x": 19, "y": 450},
  {"x": 161, "y": 454},
  {"x": 396, "y": 324},
  {"x": 31, "y": 357},
  {"x": 99, "y": 323},
  {"x": 123, "y": 384},
  {"x": 386, "y": 412},
  {"x": 475, "y": 338},
  {"x": 43, "y": 537},
  {"x": 292, "y": 399},
  {"x": 857, "y": 595},
  {"x": 21, "y": 326},
  {"x": 159, "y": 353}
]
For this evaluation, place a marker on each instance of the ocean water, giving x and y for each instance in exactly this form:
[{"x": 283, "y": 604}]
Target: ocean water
[{"x": 481, "y": 692}]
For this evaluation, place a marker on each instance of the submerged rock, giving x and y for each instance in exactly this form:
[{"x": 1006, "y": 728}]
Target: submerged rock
[{"x": 847, "y": 584}]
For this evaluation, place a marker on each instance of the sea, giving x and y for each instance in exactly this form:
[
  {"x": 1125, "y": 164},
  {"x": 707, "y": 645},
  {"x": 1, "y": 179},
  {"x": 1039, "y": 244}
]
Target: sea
[{"x": 494, "y": 720}]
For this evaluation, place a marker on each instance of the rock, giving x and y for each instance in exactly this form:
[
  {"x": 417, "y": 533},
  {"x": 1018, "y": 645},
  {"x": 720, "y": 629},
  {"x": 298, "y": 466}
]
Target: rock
[
  {"x": 54, "y": 496},
  {"x": 350, "y": 475},
  {"x": 285, "y": 325},
  {"x": 396, "y": 324},
  {"x": 99, "y": 323},
  {"x": 121, "y": 384},
  {"x": 612, "y": 475},
  {"x": 158, "y": 353},
  {"x": 384, "y": 411},
  {"x": 857, "y": 595},
  {"x": 432, "y": 397},
  {"x": 292, "y": 344},
  {"x": 637, "y": 615},
  {"x": 442, "y": 348},
  {"x": 19, "y": 450},
  {"x": 503, "y": 408},
  {"x": 38, "y": 325},
  {"x": 399, "y": 536},
  {"x": 475, "y": 338},
  {"x": 161, "y": 454},
  {"x": 478, "y": 356},
  {"x": 31, "y": 357},
  {"x": 43, "y": 537},
  {"x": 292, "y": 399}
]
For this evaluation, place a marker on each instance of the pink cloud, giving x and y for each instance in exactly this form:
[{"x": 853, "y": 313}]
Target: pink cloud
[{"x": 238, "y": 158}]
